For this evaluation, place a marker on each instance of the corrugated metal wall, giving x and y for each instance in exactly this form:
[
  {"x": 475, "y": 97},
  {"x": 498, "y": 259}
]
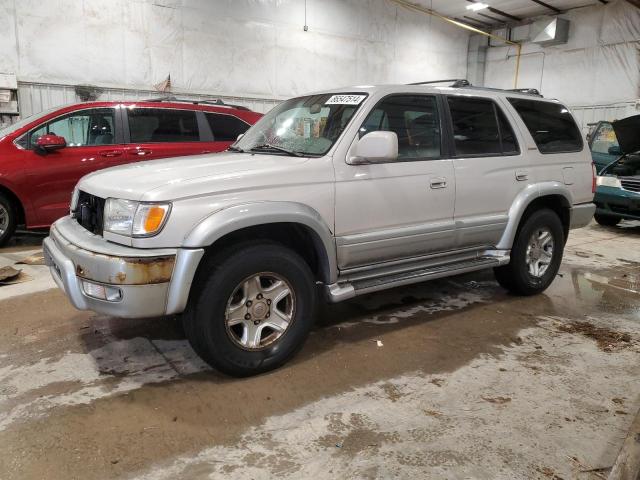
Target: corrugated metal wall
[{"x": 36, "y": 97}]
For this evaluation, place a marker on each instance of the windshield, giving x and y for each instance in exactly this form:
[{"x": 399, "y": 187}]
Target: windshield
[
  {"x": 25, "y": 121},
  {"x": 305, "y": 126}
]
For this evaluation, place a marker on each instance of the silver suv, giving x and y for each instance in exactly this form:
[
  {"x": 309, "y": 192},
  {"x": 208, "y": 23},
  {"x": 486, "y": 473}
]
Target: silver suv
[{"x": 339, "y": 193}]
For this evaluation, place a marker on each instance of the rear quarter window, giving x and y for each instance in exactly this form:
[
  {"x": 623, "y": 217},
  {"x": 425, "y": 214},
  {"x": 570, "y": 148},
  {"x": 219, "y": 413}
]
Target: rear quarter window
[{"x": 550, "y": 124}]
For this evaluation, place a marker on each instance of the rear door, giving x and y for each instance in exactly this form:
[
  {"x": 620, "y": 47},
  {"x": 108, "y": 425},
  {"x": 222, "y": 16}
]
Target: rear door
[
  {"x": 92, "y": 141},
  {"x": 604, "y": 145},
  {"x": 163, "y": 132},
  {"x": 490, "y": 169}
]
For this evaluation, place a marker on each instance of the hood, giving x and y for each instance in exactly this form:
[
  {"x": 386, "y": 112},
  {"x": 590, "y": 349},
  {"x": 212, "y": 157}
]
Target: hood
[
  {"x": 628, "y": 133},
  {"x": 171, "y": 179}
]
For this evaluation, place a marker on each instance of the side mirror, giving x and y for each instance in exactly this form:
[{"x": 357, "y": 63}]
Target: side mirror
[
  {"x": 375, "y": 147},
  {"x": 50, "y": 142},
  {"x": 617, "y": 151}
]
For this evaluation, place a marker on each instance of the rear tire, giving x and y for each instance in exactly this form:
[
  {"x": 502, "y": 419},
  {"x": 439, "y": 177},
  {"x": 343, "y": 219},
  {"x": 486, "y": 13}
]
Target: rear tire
[
  {"x": 8, "y": 220},
  {"x": 535, "y": 256},
  {"x": 252, "y": 308},
  {"x": 607, "y": 220}
]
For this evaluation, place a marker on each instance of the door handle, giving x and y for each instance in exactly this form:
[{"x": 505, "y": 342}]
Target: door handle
[
  {"x": 438, "y": 182},
  {"x": 110, "y": 153},
  {"x": 141, "y": 152},
  {"x": 522, "y": 175}
]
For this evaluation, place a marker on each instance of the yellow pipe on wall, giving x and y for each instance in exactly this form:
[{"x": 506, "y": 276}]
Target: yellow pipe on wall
[{"x": 428, "y": 11}]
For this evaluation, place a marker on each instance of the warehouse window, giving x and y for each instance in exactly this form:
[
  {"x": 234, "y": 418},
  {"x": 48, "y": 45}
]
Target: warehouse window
[
  {"x": 80, "y": 129},
  {"x": 480, "y": 128},
  {"x": 225, "y": 128},
  {"x": 550, "y": 124},
  {"x": 157, "y": 125},
  {"x": 414, "y": 119}
]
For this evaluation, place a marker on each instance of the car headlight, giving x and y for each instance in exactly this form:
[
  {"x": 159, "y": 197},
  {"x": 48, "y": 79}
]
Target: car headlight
[
  {"x": 608, "y": 181},
  {"x": 134, "y": 219}
]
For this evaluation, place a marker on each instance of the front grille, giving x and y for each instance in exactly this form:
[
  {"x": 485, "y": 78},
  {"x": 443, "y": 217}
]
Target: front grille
[
  {"x": 89, "y": 212},
  {"x": 630, "y": 183}
]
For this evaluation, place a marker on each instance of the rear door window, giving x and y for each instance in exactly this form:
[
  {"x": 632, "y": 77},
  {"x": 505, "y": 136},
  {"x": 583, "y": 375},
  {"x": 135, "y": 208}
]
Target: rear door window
[
  {"x": 550, "y": 124},
  {"x": 161, "y": 125},
  {"x": 225, "y": 128},
  {"x": 480, "y": 128}
]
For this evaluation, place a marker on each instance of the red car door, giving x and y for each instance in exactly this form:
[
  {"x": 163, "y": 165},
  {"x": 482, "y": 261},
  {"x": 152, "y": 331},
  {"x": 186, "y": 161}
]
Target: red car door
[
  {"x": 163, "y": 132},
  {"x": 90, "y": 135}
]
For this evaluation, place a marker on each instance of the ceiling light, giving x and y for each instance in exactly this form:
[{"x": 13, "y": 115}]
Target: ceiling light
[{"x": 477, "y": 6}]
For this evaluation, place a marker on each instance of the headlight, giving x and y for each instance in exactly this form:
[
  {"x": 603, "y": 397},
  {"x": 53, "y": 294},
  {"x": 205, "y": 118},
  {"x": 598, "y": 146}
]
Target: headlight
[
  {"x": 609, "y": 181},
  {"x": 134, "y": 219}
]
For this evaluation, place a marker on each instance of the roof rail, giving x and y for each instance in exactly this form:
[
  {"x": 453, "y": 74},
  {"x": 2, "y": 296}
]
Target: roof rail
[
  {"x": 463, "y": 83},
  {"x": 455, "y": 82},
  {"x": 206, "y": 101}
]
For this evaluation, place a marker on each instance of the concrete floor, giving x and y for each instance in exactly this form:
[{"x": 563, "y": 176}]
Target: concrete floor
[{"x": 449, "y": 379}]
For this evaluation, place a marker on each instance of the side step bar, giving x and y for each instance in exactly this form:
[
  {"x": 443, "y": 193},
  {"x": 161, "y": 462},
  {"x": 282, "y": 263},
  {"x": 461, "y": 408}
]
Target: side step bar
[{"x": 343, "y": 290}]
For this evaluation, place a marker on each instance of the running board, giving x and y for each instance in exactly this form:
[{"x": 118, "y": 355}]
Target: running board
[{"x": 343, "y": 290}]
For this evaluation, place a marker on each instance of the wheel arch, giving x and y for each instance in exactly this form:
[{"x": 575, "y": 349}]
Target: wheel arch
[
  {"x": 13, "y": 197},
  {"x": 296, "y": 225},
  {"x": 552, "y": 195}
]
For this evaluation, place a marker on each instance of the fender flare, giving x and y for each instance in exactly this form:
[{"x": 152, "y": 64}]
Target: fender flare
[
  {"x": 237, "y": 217},
  {"x": 523, "y": 200}
]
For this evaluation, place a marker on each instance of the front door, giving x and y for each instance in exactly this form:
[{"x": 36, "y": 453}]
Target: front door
[
  {"x": 91, "y": 142},
  {"x": 490, "y": 169},
  {"x": 399, "y": 209}
]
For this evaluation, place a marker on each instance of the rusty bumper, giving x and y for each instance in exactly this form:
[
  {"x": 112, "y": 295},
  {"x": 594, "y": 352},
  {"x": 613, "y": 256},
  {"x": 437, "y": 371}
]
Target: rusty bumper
[{"x": 135, "y": 282}]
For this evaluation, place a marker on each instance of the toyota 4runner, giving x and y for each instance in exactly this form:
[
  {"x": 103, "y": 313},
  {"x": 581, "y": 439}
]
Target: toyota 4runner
[{"x": 334, "y": 194}]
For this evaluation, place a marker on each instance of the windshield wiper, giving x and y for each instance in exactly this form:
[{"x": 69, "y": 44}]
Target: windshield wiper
[
  {"x": 235, "y": 149},
  {"x": 268, "y": 146}
]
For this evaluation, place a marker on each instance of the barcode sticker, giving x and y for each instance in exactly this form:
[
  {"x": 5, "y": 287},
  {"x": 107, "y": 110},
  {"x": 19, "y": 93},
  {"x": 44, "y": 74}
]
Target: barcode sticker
[{"x": 345, "y": 100}]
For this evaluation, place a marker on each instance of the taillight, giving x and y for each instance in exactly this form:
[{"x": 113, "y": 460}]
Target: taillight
[{"x": 593, "y": 182}]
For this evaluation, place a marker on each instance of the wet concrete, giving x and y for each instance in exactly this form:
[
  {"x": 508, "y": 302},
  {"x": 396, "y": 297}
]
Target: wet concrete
[{"x": 469, "y": 383}]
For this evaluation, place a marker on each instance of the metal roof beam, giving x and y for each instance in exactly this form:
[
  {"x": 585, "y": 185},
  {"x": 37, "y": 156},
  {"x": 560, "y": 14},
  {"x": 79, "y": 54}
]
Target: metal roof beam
[
  {"x": 500, "y": 12},
  {"x": 546, "y": 5}
]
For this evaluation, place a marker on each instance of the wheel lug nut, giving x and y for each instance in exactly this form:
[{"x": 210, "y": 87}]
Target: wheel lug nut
[
  {"x": 268, "y": 302},
  {"x": 259, "y": 296},
  {"x": 268, "y": 313},
  {"x": 249, "y": 303},
  {"x": 247, "y": 317},
  {"x": 256, "y": 322}
]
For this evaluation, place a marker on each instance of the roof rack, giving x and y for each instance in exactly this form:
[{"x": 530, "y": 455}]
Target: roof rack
[
  {"x": 455, "y": 82},
  {"x": 206, "y": 101},
  {"x": 464, "y": 83}
]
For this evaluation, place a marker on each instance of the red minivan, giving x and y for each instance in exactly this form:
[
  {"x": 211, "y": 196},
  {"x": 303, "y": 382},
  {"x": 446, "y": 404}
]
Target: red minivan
[{"x": 43, "y": 157}]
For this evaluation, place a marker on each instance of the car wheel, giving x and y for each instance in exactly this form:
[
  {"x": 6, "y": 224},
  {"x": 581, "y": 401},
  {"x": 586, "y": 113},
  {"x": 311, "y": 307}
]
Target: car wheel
[
  {"x": 607, "y": 220},
  {"x": 535, "y": 256},
  {"x": 252, "y": 310},
  {"x": 7, "y": 220}
]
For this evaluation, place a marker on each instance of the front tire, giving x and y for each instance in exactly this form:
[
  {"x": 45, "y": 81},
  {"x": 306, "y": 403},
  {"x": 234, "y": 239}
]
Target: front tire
[
  {"x": 8, "y": 220},
  {"x": 535, "y": 256},
  {"x": 252, "y": 310},
  {"x": 607, "y": 220}
]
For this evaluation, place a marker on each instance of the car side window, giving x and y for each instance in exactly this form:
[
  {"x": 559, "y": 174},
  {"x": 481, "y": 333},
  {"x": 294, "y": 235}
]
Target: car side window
[
  {"x": 225, "y": 128},
  {"x": 604, "y": 138},
  {"x": 161, "y": 125},
  {"x": 476, "y": 130},
  {"x": 414, "y": 119},
  {"x": 551, "y": 125},
  {"x": 80, "y": 129}
]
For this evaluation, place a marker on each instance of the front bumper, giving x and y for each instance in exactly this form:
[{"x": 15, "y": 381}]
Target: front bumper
[
  {"x": 150, "y": 282},
  {"x": 617, "y": 202}
]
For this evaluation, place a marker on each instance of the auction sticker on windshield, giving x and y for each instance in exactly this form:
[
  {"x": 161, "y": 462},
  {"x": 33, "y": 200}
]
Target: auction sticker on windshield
[{"x": 345, "y": 100}]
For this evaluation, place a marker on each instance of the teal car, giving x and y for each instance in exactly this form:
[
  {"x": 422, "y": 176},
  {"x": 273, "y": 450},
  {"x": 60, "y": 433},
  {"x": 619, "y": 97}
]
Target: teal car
[{"x": 615, "y": 149}]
